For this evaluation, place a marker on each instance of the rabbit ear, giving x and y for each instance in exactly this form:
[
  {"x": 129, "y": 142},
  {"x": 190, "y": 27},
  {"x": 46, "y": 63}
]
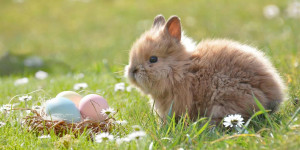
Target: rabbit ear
[
  {"x": 173, "y": 27},
  {"x": 159, "y": 20}
]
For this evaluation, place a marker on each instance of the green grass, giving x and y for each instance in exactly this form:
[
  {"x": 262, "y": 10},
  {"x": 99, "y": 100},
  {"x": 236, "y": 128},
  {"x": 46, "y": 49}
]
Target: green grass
[{"x": 74, "y": 37}]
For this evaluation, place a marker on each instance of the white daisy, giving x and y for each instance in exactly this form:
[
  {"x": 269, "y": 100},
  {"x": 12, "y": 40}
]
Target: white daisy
[
  {"x": 271, "y": 11},
  {"x": 79, "y": 76},
  {"x": 44, "y": 137},
  {"x": 108, "y": 111},
  {"x": 25, "y": 98},
  {"x": 120, "y": 86},
  {"x": 80, "y": 86},
  {"x": 296, "y": 64},
  {"x": 121, "y": 122},
  {"x": 2, "y": 110},
  {"x": 21, "y": 81},
  {"x": 129, "y": 88},
  {"x": 233, "y": 120},
  {"x": 28, "y": 111},
  {"x": 293, "y": 9},
  {"x": 103, "y": 137},
  {"x": 41, "y": 75},
  {"x": 2, "y": 124},
  {"x": 7, "y": 107},
  {"x": 137, "y": 128},
  {"x": 121, "y": 140},
  {"x": 137, "y": 135}
]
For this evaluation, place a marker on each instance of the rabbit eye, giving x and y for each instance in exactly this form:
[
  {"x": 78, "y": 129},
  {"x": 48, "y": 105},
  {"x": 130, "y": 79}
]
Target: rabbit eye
[{"x": 153, "y": 59}]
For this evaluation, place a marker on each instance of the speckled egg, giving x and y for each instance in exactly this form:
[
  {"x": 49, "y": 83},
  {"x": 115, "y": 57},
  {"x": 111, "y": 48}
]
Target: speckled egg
[
  {"x": 91, "y": 106},
  {"x": 61, "y": 108},
  {"x": 73, "y": 96}
]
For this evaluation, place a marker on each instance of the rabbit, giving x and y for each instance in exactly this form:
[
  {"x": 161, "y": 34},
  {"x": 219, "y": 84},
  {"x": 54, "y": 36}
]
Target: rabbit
[{"x": 219, "y": 77}]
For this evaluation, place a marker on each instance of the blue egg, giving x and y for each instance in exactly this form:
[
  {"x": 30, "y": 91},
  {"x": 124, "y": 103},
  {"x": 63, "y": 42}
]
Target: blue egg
[{"x": 61, "y": 108}]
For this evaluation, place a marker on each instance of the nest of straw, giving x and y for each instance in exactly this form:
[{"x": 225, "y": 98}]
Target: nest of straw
[{"x": 38, "y": 124}]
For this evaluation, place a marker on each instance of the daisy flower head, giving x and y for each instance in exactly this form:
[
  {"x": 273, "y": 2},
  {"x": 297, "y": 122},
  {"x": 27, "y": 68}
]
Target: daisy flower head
[
  {"x": 129, "y": 88},
  {"x": 2, "y": 124},
  {"x": 122, "y": 140},
  {"x": 137, "y": 128},
  {"x": 7, "y": 107},
  {"x": 80, "y": 86},
  {"x": 25, "y": 98},
  {"x": 44, "y": 137},
  {"x": 293, "y": 9},
  {"x": 79, "y": 76},
  {"x": 137, "y": 135},
  {"x": 120, "y": 86},
  {"x": 41, "y": 75},
  {"x": 235, "y": 120},
  {"x": 103, "y": 137},
  {"x": 296, "y": 64},
  {"x": 108, "y": 111},
  {"x": 21, "y": 81},
  {"x": 271, "y": 11},
  {"x": 121, "y": 122}
]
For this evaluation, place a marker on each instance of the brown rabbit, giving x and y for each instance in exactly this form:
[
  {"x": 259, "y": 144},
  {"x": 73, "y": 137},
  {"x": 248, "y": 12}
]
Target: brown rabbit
[{"x": 218, "y": 78}]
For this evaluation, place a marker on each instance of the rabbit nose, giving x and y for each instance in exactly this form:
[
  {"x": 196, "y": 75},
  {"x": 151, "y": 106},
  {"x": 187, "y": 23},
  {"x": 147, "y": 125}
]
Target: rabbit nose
[{"x": 134, "y": 70}]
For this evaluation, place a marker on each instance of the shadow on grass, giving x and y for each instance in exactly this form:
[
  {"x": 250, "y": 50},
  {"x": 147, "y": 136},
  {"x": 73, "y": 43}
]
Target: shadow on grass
[{"x": 12, "y": 64}]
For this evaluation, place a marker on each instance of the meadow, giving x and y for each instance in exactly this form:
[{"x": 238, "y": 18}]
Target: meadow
[{"x": 88, "y": 41}]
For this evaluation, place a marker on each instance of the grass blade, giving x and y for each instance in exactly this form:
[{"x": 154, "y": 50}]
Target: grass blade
[
  {"x": 293, "y": 117},
  {"x": 170, "y": 109},
  {"x": 202, "y": 129},
  {"x": 249, "y": 120},
  {"x": 261, "y": 107}
]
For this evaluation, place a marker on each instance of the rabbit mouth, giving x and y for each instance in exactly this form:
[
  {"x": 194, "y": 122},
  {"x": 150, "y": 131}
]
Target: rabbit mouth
[
  {"x": 134, "y": 78},
  {"x": 134, "y": 74},
  {"x": 139, "y": 79}
]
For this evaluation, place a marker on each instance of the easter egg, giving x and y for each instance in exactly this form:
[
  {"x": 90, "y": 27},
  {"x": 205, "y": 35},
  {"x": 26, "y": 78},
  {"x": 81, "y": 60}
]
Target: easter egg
[
  {"x": 91, "y": 106},
  {"x": 73, "y": 96},
  {"x": 61, "y": 108}
]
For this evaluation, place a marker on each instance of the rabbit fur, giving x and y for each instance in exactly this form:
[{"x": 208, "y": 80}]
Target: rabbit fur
[{"x": 219, "y": 77}]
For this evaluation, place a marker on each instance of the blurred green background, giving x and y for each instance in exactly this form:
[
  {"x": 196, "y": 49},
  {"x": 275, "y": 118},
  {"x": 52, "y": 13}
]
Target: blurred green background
[{"x": 78, "y": 35}]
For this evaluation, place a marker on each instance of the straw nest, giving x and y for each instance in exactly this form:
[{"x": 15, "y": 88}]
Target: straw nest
[{"x": 38, "y": 123}]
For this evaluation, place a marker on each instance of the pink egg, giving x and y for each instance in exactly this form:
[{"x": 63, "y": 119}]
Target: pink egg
[{"x": 91, "y": 106}]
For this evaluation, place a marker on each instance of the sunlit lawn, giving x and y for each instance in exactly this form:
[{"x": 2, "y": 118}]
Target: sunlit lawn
[{"x": 91, "y": 37}]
